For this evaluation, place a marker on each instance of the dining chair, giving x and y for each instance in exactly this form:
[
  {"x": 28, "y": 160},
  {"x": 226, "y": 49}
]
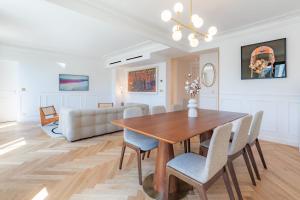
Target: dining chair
[
  {"x": 158, "y": 110},
  {"x": 186, "y": 143},
  {"x": 155, "y": 110},
  {"x": 199, "y": 171},
  {"x": 139, "y": 143},
  {"x": 253, "y": 139},
  {"x": 176, "y": 107},
  {"x": 237, "y": 148}
]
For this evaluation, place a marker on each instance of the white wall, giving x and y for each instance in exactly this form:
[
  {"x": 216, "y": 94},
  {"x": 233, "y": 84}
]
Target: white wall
[
  {"x": 38, "y": 74},
  {"x": 158, "y": 98},
  {"x": 279, "y": 98},
  {"x": 8, "y": 91}
]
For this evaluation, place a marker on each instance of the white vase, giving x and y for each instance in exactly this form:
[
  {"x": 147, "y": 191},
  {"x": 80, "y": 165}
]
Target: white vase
[{"x": 192, "y": 108}]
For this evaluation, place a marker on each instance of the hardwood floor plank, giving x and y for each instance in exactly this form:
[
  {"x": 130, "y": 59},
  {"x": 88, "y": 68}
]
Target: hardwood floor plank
[{"x": 88, "y": 169}]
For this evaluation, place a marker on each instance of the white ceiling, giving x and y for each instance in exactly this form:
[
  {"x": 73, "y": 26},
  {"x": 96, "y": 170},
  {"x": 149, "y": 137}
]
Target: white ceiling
[
  {"x": 227, "y": 15},
  {"x": 43, "y": 25},
  {"x": 100, "y": 27}
]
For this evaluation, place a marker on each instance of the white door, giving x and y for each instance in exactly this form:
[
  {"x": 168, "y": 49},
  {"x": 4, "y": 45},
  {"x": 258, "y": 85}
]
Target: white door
[
  {"x": 8, "y": 91},
  {"x": 209, "y": 93}
]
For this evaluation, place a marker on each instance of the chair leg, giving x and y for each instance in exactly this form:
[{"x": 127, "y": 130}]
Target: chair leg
[
  {"x": 139, "y": 165},
  {"x": 148, "y": 155},
  {"x": 234, "y": 179},
  {"x": 253, "y": 162},
  {"x": 249, "y": 167},
  {"x": 202, "y": 192},
  {"x": 260, "y": 153},
  {"x": 122, "y": 156},
  {"x": 227, "y": 184},
  {"x": 143, "y": 158},
  {"x": 185, "y": 146}
]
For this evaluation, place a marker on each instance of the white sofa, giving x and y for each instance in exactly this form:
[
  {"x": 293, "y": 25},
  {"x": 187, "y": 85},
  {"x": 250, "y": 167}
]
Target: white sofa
[{"x": 76, "y": 124}]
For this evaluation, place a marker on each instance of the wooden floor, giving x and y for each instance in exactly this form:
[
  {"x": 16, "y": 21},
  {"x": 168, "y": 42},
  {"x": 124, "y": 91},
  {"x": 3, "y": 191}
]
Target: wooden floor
[{"x": 34, "y": 165}]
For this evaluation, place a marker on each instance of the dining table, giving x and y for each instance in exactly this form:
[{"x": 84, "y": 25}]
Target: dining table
[{"x": 171, "y": 128}]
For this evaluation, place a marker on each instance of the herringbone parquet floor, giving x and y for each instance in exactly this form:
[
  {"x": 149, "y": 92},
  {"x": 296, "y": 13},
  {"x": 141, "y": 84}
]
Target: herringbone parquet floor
[{"x": 35, "y": 165}]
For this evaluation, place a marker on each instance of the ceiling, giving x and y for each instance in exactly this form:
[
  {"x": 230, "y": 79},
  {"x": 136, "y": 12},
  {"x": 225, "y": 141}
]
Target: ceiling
[
  {"x": 227, "y": 15},
  {"x": 100, "y": 27},
  {"x": 42, "y": 25}
]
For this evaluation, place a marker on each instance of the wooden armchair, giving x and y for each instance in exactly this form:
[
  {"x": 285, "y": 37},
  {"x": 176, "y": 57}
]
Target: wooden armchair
[{"x": 48, "y": 115}]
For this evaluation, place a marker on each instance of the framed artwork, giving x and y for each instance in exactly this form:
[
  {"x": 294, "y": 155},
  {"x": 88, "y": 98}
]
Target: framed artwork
[
  {"x": 264, "y": 60},
  {"x": 68, "y": 82},
  {"x": 144, "y": 80}
]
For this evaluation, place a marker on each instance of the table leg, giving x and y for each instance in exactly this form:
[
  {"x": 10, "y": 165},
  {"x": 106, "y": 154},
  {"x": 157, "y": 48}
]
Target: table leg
[
  {"x": 155, "y": 185},
  {"x": 164, "y": 154}
]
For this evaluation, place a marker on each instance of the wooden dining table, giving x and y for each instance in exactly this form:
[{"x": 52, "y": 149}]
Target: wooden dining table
[{"x": 171, "y": 128}]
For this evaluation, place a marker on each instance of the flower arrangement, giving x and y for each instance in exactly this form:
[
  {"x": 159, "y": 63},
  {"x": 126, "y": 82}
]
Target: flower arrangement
[{"x": 193, "y": 87}]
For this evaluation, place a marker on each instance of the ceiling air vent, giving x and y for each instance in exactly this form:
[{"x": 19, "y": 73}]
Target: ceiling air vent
[
  {"x": 113, "y": 63},
  {"x": 132, "y": 58}
]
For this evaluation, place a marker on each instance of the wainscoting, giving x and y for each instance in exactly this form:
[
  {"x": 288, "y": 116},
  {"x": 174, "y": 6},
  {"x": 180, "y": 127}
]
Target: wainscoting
[
  {"x": 281, "y": 114},
  {"x": 30, "y": 102}
]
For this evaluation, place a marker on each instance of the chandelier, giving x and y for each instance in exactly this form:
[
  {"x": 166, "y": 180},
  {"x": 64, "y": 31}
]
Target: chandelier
[{"x": 193, "y": 26}]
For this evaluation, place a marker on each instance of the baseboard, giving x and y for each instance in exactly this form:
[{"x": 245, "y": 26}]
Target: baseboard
[{"x": 286, "y": 141}]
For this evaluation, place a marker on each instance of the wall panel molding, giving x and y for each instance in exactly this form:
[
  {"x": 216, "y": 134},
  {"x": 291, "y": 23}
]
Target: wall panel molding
[
  {"x": 30, "y": 102},
  {"x": 281, "y": 114}
]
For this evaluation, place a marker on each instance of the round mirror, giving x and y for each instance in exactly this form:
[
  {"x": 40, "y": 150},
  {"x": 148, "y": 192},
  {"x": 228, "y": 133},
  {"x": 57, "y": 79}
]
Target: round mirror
[{"x": 208, "y": 75}]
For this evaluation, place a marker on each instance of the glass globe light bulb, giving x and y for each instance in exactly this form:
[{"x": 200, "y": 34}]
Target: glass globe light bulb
[
  {"x": 177, "y": 35},
  {"x": 212, "y": 30},
  {"x": 191, "y": 36},
  {"x": 178, "y": 7},
  {"x": 166, "y": 15},
  {"x": 197, "y": 21},
  {"x": 194, "y": 42},
  {"x": 176, "y": 28},
  {"x": 208, "y": 38}
]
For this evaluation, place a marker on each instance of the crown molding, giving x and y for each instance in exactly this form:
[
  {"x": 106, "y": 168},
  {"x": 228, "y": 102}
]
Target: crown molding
[
  {"x": 31, "y": 50},
  {"x": 266, "y": 22},
  {"x": 292, "y": 18}
]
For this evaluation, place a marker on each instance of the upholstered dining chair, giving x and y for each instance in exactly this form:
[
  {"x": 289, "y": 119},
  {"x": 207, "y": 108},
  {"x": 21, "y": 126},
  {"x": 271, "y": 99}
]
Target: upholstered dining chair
[
  {"x": 186, "y": 143},
  {"x": 199, "y": 171},
  {"x": 176, "y": 107},
  {"x": 253, "y": 139},
  {"x": 139, "y": 143},
  {"x": 155, "y": 110},
  {"x": 237, "y": 148},
  {"x": 158, "y": 110}
]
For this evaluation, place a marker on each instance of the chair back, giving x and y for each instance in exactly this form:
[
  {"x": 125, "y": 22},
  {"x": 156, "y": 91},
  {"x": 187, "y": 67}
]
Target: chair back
[
  {"x": 132, "y": 112},
  {"x": 255, "y": 126},
  {"x": 47, "y": 111},
  {"x": 157, "y": 110},
  {"x": 217, "y": 152},
  {"x": 240, "y": 137},
  {"x": 176, "y": 107}
]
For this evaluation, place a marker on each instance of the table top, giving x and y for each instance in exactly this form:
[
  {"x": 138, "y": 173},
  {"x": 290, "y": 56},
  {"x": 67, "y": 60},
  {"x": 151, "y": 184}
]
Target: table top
[{"x": 173, "y": 127}]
